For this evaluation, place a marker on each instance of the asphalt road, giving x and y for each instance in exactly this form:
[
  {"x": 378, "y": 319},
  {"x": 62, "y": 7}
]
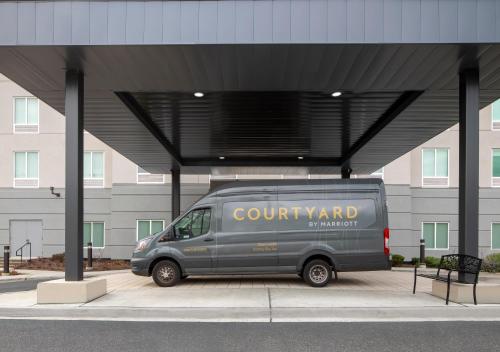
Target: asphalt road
[{"x": 75, "y": 336}]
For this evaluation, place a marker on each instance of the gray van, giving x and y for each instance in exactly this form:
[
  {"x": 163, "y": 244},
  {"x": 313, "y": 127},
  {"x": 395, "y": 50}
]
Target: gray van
[{"x": 305, "y": 227}]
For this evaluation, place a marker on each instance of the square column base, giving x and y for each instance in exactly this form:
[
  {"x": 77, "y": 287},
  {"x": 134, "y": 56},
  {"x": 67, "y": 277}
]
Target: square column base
[
  {"x": 61, "y": 291},
  {"x": 462, "y": 293}
]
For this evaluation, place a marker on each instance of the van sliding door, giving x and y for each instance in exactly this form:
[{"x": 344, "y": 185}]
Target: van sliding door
[{"x": 246, "y": 241}]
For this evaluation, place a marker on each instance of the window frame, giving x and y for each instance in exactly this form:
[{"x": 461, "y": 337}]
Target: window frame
[
  {"x": 494, "y": 178},
  {"x": 146, "y": 174},
  {"x": 14, "y": 178},
  {"x": 492, "y": 120},
  {"x": 14, "y": 124},
  {"x": 435, "y": 227},
  {"x": 91, "y": 168},
  {"x": 92, "y": 233},
  {"x": 150, "y": 221},
  {"x": 435, "y": 164},
  {"x": 491, "y": 236}
]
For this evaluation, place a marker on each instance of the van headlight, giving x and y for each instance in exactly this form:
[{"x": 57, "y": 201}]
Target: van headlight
[{"x": 142, "y": 244}]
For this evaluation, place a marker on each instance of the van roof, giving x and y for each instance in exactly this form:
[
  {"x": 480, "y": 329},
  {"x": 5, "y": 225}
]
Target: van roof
[{"x": 248, "y": 185}]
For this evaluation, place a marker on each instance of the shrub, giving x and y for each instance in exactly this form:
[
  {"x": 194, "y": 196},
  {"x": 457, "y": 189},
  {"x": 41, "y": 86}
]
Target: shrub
[
  {"x": 58, "y": 257},
  {"x": 432, "y": 262},
  {"x": 415, "y": 261},
  {"x": 491, "y": 263},
  {"x": 397, "y": 260}
]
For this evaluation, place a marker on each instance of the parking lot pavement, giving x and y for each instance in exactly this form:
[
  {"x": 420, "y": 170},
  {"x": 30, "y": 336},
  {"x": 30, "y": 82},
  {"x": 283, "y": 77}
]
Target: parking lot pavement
[{"x": 384, "y": 296}]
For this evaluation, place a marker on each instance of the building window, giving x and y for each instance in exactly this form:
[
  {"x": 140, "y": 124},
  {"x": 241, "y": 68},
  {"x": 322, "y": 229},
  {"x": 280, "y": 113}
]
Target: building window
[
  {"x": 93, "y": 169},
  {"x": 26, "y": 169},
  {"x": 495, "y": 168},
  {"x": 435, "y": 235},
  {"x": 147, "y": 228},
  {"x": 495, "y": 236},
  {"x": 26, "y": 115},
  {"x": 378, "y": 174},
  {"x": 435, "y": 167},
  {"x": 495, "y": 115},
  {"x": 144, "y": 177},
  {"x": 93, "y": 232}
]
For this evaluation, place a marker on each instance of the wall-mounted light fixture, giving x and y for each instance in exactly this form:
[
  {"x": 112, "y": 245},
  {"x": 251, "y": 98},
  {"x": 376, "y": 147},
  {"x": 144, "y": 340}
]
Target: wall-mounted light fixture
[{"x": 54, "y": 193}]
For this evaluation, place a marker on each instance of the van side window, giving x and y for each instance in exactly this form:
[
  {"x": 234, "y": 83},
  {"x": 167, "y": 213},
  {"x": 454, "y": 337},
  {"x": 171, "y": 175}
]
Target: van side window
[{"x": 194, "y": 224}]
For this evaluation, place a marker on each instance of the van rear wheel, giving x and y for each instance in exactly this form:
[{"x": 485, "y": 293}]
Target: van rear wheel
[
  {"x": 166, "y": 273},
  {"x": 317, "y": 273}
]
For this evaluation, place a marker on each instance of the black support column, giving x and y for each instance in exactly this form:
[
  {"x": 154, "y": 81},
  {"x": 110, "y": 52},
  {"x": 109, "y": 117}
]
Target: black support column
[
  {"x": 176, "y": 193},
  {"x": 468, "y": 214},
  {"x": 74, "y": 176}
]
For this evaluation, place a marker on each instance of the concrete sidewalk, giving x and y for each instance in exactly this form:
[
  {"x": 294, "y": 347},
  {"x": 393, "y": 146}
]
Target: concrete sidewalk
[{"x": 360, "y": 296}]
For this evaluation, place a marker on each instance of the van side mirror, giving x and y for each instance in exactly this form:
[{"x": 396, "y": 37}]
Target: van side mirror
[{"x": 168, "y": 236}]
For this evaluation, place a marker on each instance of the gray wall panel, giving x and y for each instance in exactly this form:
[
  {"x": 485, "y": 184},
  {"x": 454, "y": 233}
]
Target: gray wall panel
[
  {"x": 374, "y": 22},
  {"x": 98, "y": 22},
  {"x": 259, "y": 21},
  {"x": 117, "y": 19},
  {"x": 467, "y": 21},
  {"x": 189, "y": 21},
  {"x": 430, "y": 20},
  {"x": 497, "y": 37},
  {"x": 448, "y": 16},
  {"x": 208, "y": 22},
  {"x": 62, "y": 22},
  {"x": 356, "y": 20},
  {"x": 8, "y": 22},
  {"x": 153, "y": 27},
  {"x": 392, "y": 21},
  {"x": 26, "y": 22},
  {"x": 318, "y": 21},
  {"x": 299, "y": 21},
  {"x": 44, "y": 22},
  {"x": 263, "y": 21},
  {"x": 135, "y": 23},
  {"x": 171, "y": 22},
  {"x": 226, "y": 21},
  {"x": 486, "y": 14},
  {"x": 411, "y": 21},
  {"x": 399, "y": 204},
  {"x": 244, "y": 21},
  {"x": 80, "y": 24},
  {"x": 281, "y": 21}
]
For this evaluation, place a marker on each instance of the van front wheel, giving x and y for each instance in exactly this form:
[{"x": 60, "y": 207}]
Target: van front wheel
[
  {"x": 166, "y": 273},
  {"x": 317, "y": 273}
]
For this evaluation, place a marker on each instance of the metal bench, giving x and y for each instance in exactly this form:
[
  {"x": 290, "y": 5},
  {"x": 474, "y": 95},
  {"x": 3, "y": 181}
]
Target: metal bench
[{"x": 459, "y": 263}]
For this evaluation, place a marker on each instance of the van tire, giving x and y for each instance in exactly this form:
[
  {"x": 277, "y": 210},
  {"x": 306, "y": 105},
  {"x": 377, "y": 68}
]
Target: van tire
[
  {"x": 317, "y": 273},
  {"x": 166, "y": 273}
]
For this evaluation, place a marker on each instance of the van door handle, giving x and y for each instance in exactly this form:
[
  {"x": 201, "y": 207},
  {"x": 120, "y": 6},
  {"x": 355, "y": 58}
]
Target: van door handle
[{"x": 208, "y": 239}]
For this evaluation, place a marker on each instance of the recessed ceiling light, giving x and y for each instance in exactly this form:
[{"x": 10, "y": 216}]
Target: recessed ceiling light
[
  {"x": 222, "y": 157},
  {"x": 336, "y": 94},
  {"x": 199, "y": 94},
  {"x": 300, "y": 157}
]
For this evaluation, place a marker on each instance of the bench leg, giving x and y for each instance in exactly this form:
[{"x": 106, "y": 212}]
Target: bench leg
[
  {"x": 448, "y": 289},
  {"x": 474, "y": 294},
  {"x": 415, "y": 280}
]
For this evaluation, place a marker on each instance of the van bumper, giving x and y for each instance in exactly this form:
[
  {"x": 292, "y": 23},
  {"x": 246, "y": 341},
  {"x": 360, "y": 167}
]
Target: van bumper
[
  {"x": 365, "y": 262},
  {"x": 140, "y": 266}
]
